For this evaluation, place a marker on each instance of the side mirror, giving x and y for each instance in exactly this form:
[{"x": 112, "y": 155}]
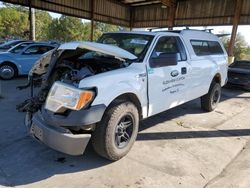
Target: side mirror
[{"x": 163, "y": 60}]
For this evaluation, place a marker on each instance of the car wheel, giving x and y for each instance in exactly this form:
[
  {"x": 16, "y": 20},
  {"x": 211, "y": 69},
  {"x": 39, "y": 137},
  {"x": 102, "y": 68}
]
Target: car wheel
[
  {"x": 210, "y": 101},
  {"x": 7, "y": 71},
  {"x": 117, "y": 132}
]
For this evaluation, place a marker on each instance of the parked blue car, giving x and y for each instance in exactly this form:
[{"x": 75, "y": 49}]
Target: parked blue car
[{"x": 20, "y": 59}]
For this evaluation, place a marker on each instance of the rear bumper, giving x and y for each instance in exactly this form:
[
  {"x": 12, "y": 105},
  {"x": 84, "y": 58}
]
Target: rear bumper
[{"x": 58, "y": 138}]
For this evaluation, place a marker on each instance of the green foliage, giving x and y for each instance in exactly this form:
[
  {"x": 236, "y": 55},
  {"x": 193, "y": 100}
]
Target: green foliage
[
  {"x": 240, "y": 47},
  {"x": 70, "y": 28},
  {"x": 43, "y": 21},
  {"x": 66, "y": 29},
  {"x": 14, "y": 23},
  {"x": 247, "y": 54},
  {"x": 101, "y": 28}
]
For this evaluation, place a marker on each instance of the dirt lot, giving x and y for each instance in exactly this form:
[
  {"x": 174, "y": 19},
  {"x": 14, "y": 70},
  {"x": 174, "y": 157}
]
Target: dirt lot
[{"x": 183, "y": 147}]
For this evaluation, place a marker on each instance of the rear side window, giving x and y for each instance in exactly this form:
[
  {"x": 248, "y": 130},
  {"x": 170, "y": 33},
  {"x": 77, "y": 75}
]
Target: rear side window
[{"x": 202, "y": 47}]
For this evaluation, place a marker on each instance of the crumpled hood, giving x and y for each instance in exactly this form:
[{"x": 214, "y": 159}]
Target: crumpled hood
[{"x": 98, "y": 47}]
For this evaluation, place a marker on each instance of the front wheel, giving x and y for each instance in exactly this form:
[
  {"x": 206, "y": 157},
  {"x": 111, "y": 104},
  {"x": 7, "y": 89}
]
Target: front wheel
[
  {"x": 116, "y": 133},
  {"x": 210, "y": 101}
]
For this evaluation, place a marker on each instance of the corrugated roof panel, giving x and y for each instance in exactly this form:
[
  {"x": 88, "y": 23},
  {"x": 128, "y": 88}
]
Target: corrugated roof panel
[
  {"x": 245, "y": 13},
  {"x": 111, "y": 12},
  {"x": 189, "y": 12},
  {"x": 153, "y": 15},
  {"x": 204, "y": 12},
  {"x": 78, "y": 8}
]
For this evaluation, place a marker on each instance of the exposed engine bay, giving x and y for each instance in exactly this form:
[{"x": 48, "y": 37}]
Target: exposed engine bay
[
  {"x": 72, "y": 71},
  {"x": 67, "y": 66}
]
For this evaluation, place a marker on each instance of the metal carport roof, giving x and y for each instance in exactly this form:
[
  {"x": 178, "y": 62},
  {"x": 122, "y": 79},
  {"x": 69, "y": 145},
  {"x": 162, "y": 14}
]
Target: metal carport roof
[
  {"x": 147, "y": 13},
  {"x": 152, "y": 13}
]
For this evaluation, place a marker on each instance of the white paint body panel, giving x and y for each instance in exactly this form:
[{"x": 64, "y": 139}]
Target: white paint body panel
[
  {"x": 117, "y": 82},
  {"x": 200, "y": 73}
]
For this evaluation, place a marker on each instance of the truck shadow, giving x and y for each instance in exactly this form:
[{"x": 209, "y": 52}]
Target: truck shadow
[
  {"x": 230, "y": 92},
  {"x": 31, "y": 162},
  {"x": 24, "y": 161},
  {"x": 193, "y": 134}
]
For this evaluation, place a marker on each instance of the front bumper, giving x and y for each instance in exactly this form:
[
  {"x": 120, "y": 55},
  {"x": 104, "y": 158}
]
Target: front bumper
[
  {"x": 53, "y": 129},
  {"x": 82, "y": 117},
  {"x": 58, "y": 138}
]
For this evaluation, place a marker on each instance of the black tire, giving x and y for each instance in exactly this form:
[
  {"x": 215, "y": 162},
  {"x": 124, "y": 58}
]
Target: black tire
[
  {"x": 8, "y": 71},
  {"x": 212, "y": 98},
  {"x": 107, "y": 140}
]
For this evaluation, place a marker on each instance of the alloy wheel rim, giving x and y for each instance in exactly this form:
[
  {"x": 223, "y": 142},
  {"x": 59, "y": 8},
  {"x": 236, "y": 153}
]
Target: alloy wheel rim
[
  {"x": 124, "y": 131},
  {"x": 216, "y": 97},
  {"x": 7, "y": 72}
]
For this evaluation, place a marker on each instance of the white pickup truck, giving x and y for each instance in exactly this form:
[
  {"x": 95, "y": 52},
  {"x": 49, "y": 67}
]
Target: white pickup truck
[{"x": 101, "y": 90}]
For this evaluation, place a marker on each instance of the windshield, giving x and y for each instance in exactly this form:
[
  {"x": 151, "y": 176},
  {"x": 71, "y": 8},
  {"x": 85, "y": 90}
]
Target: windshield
[
  {"x": 136, "y": 44},
  {"x": 18, "y": 48}
]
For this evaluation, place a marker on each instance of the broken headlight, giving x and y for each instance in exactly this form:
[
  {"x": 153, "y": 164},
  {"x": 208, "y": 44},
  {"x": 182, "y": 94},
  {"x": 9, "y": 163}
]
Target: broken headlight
[{"x": 63, "y": 96}]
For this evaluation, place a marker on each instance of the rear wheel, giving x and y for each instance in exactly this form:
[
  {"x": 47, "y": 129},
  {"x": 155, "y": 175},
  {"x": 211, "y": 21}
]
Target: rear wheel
[
  {"x": 116, "y": 133},
  {"x": 7, "y": 71},
  {"x": 210, "y": 101}
]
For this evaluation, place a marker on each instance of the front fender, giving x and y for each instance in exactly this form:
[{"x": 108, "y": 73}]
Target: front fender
[
  {"x": 114, "y": 83},
  {"x": 107, "y": 95}
]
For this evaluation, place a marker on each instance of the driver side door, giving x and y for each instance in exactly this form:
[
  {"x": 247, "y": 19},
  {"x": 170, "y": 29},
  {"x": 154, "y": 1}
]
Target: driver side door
[{"x": 166, "y": 81}]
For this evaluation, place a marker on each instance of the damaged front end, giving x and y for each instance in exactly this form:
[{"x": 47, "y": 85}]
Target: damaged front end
[
  {"x": 36, "y": 79},
  {"x": 58, "y": 112}
]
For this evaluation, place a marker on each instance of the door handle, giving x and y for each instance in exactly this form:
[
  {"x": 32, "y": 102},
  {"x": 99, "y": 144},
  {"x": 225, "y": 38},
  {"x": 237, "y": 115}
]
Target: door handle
[
  {"x": 142, "y": 75},
  {"x": 183, "y": 70}
]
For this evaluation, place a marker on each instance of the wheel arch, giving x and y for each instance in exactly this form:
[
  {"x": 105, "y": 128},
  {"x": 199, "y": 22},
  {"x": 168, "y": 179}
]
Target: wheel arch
[
  {"x": 127, "y": 97},
  {"x": 217, "y": 78}
]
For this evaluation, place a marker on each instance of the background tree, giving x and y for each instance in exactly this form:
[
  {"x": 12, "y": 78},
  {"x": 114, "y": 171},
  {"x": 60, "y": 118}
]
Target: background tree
[
  {"x": 240, "y": 47},
  {"x": 101, "y": 28},
  {"x": 43, "y": 21},
  {"x": 70, "y": 28},
  {"x": 14, "y": 23},
  {"x": 66, "y": 29},
  {"x": 247, "y": 54}
]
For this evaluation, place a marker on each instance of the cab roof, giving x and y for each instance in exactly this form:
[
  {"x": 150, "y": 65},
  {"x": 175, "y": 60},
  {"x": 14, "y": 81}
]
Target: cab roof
[{"x": 186, "y": 33}]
